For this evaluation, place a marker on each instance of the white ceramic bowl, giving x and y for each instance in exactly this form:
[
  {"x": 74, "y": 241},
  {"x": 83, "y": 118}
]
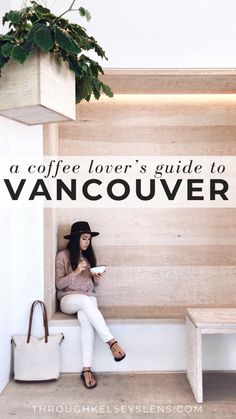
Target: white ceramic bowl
[{"x": 98, "y": 269}]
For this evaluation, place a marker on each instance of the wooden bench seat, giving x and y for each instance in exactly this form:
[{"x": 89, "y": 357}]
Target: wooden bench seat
[
  {"x": 138, "y": 312},
  {"x": 201, "y": 321}
]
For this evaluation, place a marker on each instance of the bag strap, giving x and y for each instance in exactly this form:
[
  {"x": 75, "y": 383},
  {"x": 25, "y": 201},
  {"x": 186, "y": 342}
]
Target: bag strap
[{"x": 45, "y": 320}]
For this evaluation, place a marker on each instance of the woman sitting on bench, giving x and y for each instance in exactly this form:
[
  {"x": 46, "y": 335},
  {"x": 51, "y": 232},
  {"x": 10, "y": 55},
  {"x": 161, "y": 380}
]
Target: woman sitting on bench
[{"x": 76, "y": 292}]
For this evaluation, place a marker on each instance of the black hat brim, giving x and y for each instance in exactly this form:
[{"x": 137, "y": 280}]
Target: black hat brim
[{"x": 93, "y": 234}]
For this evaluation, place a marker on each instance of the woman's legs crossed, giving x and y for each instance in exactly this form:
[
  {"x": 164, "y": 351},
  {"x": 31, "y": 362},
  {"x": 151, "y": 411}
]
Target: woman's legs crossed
[
  {"x": 72, "y": 303},
  {"x": 87, "y": 339},
  {"x": 69, "y": 306}
]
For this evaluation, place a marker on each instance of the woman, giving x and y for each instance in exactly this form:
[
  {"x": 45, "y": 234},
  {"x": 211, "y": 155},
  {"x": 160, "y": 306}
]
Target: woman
[{"x": 76, "y": 292}]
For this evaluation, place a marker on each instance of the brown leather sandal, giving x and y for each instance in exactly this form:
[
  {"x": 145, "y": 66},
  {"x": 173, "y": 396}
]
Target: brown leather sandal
[
  {"x": 84, "y": 381},
  {"x": 115, "y": 358}
]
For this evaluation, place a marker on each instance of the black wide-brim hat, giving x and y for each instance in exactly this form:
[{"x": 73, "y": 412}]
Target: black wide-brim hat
[{"x": 80, "y": 227}]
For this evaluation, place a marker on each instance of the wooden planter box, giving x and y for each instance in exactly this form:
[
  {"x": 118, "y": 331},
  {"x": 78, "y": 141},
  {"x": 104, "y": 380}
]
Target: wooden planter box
[{"x": 42, "y": 90}]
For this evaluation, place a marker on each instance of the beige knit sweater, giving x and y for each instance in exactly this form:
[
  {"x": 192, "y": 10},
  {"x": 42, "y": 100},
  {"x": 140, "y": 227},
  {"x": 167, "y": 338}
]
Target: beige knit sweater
[{"x": 69, "y": 282}]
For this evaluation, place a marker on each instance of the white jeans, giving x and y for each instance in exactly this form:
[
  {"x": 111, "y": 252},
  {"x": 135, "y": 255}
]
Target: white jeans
[{"x": 90, "y": 318}]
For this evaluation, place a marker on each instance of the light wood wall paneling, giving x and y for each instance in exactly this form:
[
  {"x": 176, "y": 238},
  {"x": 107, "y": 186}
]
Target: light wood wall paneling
[
  {"x": 50, "y": 250},
  {"x": 78, "y": 131},
  {"x": 181, "y": 255},
  {"x": 154, "y": 227},
  {"x": 163, "y": 255},
  {"x": 159, "y": 261},
  {"x": 50, "y": 139},
  {"x": 171, "y": 80},
  {"x": 207, "y": 141},
  {"x": 162, "y": 313},
  {"x": 159, "y": 110},
  {"x": 160, "y": 285}
]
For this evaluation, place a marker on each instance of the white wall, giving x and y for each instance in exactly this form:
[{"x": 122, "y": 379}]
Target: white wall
[
  {"x": 161, "y": 33},
  {"x": 149, "y": 347},
  {"x": 6, "y": 325},
  {"x": 21, "y": 248},
  {"x": 134, "y": 33}
]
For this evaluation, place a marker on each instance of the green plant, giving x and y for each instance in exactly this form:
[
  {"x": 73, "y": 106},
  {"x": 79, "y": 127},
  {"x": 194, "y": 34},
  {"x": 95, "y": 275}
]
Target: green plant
[{"x": 35, "y": 27}]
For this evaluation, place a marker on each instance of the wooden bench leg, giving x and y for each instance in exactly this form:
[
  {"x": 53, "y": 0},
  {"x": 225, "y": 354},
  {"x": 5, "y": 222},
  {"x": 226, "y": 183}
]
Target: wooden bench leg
[{"x": 194, "y": 359}]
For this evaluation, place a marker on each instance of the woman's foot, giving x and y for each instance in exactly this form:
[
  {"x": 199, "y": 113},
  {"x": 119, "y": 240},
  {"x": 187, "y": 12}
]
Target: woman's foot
[
  {"x": 117, "y": 352},
  {"x": 88, "y": 378}
]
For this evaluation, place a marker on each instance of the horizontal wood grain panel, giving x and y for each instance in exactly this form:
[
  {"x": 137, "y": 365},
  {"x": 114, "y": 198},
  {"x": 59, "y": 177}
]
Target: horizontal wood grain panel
[
  {"x": 151, "y": 312},
  {"x": 189, "y": 255},
  {"x": 150, "y": 286},
  {"x": 77, "y": 140},
  {"x": 171, "y": 80},
  {"x": 93, "y": 148},
  {"x": 159, "y": 110},
  {"x": 162, "y": 260},
  {"x": 153, "y": 227},
  {"x": 133, "y": 315},
  {"x": 146, "y": 134}
]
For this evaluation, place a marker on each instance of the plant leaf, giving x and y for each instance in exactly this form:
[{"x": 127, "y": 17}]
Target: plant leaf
[
  {"x": 100, "y": 52},
  {"x": 29, "y": 46},
  {"x": 43, "y": 38},
  {"x": 94, "y": 66},
  {"x": 63, "y": 23},
  {"x": 75, "y": 66},
  {"x": 13, "y": 16},
  {"x": 78, "y": 29},
  {"x": 107, "y": 90},
  {"x": 65, "y": 41},
  {"x": 6, "y": 38},
  {"x": 34, "y": 28},
  {"x": 83, "y": 88},
  {"x": 19, "y": 54},
  {"x": 3, "y": 60},
  {"x": 7, "y": 49},
  {"x": 96, "y": 91},
  {"x": 84, "y": 12},
  {"x": 42, "y": 10}
]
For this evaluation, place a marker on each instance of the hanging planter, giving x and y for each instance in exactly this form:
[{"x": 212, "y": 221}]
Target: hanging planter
[
  {"x": 42, "y": 90},
  {"x": 44, "y": 72}
]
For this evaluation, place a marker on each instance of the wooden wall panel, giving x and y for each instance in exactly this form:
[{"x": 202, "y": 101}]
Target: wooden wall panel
[
  {"x": 167, "y": 286},
  {"x": 190, "y": 140},
  {"x": 191, "y": 255},
  {"x": 171, "y": 80},
  {"x": 158, "y": 110},
  {"x": 142, "y": 125},
  {"x": 154, "y": 226},
  {"x": 159, "y": 261}
]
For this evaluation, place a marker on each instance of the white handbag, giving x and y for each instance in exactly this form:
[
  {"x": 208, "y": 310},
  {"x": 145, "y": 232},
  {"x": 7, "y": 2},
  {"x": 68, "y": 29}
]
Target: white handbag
[{"x": 37, "y": 358}]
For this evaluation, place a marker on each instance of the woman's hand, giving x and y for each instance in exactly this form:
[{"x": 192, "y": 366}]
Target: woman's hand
[
  {"x": 81, "y": 267},
  {"x": 96, "y": 276}
]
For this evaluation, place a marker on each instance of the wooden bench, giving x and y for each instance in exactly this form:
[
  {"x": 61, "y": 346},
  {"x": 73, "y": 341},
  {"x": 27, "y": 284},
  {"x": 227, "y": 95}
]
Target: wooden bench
[{"x": 201, "y": 321}]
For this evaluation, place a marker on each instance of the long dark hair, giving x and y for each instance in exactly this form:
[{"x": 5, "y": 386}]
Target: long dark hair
[{"x": 74, "y": 248}]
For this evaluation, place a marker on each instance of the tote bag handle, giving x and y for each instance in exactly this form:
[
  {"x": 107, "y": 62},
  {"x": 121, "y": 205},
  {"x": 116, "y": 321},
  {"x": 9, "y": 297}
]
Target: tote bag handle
[{"x": 45, "y": 320}]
